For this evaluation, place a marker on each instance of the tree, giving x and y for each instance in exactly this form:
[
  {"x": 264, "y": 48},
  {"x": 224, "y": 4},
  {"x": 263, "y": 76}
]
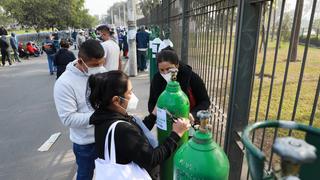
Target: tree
[
  {"x": 316, "y": 26},
  {"x": 286, "y": 26},
  {"x": 41, "y": 14},
  {"x": 4, "y": 19},
  {"x": 296, "y": 31},
  {"x": 147, "y": 5}
]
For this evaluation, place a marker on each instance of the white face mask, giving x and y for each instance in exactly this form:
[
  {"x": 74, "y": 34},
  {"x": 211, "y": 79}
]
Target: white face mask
[
  {"x": 166, "y": 77},
  {"x": 94, "y": 70},
  {"x": 132, "y": 102}
]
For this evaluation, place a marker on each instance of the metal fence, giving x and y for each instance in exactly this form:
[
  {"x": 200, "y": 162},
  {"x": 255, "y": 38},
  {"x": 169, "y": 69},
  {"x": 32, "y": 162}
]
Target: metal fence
[{"x": 243, "y": 50}]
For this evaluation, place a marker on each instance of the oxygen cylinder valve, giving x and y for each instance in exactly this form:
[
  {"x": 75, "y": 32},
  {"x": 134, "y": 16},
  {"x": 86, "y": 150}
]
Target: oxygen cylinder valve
[
  {"x": 293, "y": 152},
  {"x": 203, "y": 116},
  {"x": 174, "y": 73}
]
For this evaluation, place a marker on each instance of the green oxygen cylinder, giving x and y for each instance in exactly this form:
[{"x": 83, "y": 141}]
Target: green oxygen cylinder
[
  {"x": 201, "y": 158},
  {"x": 172, "y": 103}
]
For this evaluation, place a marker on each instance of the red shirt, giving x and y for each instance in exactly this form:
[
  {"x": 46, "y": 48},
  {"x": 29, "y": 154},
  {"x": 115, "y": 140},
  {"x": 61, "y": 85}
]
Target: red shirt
[{"x": 31, "y": 49}]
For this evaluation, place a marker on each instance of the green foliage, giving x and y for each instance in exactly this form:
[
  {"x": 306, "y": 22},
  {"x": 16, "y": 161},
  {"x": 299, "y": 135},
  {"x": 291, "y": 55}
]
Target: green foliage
[
  {"x": 4, "y": 19},
  {"x": 147, "y": 5},
  {"x": 43, "y": 14}
]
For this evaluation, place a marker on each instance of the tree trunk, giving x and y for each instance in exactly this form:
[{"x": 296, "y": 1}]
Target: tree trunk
[
  {"x": 274, "y": 20},
  {"x": 263, "y": 28},
  {"x": 295, "y": 41}
]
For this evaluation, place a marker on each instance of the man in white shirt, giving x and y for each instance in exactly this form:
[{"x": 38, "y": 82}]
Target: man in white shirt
[
  {"x": 111, "y": 48},
  {"x": 72, "y": 108},
  {"x": 80, "y": 38}
]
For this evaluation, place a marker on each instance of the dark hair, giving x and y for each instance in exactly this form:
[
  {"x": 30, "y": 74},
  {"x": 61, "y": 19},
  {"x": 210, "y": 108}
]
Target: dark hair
[
  {"x": 168, "y": 55},
  {"x": 105, "y": 28},
  {"x": 91, "y": 49},
  {"x": 64, "y": 43},
  {"x": 103, "y": 86}
]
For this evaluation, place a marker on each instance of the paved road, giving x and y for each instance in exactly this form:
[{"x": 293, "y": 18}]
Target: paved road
[{"x": 27, "y": 119}]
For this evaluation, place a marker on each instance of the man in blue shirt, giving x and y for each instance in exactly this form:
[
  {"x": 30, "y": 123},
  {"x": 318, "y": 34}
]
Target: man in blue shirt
[
  {"x": 14, "y": 46},
  {"x": 142, "y": 38}
]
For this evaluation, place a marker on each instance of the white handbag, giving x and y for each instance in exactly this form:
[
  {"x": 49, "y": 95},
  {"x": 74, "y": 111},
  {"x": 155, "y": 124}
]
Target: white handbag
[{"x": 108, "y": 169}]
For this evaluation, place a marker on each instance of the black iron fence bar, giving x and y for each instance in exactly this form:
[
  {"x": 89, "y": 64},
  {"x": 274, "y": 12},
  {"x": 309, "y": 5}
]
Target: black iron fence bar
[
  {"x": 212, "y": 4},
  {"x": 241, "y": 85},
  {"x": 219, "y": 65},
  {"x": 209, "y": 46},
  {"x": 193, "y": 44},
  {"x": 274, "y": 68},
  {"x": 285, "y": 78},
  {"x": 261, "y": 73},
  {"x": 222, "y": 78},
  {"x": 258, "y": 1},
  {"x": 215, "y": 55},
  {"x": 185, "y": 33},
  {"x": 217, "y": 9},
  {"x": 204, "y": 42},
  {"x": 219, "y": 57},
  {"x": 304, "y": 59},
  {"x": 197, "y": 20},
  {"x": 201, "y": 7},
  {"x": 202, "y": 39},
  {"x": 228, "y": 62},
  {"x": 175, "y": 17},
  {"x": 198, "y": 39},
  {"x": 211, "y": 83},
  {"x": 316, "y": 97}
]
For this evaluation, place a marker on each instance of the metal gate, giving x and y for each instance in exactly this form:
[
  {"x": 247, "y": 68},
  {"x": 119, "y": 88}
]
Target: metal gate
[{"x": 245, "y": 52}]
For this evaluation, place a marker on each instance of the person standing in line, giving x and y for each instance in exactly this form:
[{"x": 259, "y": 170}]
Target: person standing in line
[
  {"x": 63, "y": 57},
  {"x": 73, "y": 110},
  {"x": 111, "y": 48},
  {"x": 142, "y": 38},
  {"x": 74, "y": 39},
  {"x": 191, "y": 83},
  {"x": 50, "y": 50},
  {"x": 125, "y": 45},
  {"x": 80, "y": 38},
  {"x": 56, "y": 41},
  {"x": 5, "y": 53},
  {"x": 112, "y": 97},
  {"x": 14, "y": 46}
]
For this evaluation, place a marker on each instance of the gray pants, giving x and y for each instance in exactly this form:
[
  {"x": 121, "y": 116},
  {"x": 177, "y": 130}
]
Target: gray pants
[{"x": 16, "y": 55}]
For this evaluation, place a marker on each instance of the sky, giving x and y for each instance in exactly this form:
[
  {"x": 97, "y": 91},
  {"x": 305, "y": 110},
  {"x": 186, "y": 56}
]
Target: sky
[{"x": 99, "y": 7}]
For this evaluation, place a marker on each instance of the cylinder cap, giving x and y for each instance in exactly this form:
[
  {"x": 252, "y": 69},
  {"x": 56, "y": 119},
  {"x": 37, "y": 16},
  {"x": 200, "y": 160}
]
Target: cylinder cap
[{"x": 294, "y": 150}]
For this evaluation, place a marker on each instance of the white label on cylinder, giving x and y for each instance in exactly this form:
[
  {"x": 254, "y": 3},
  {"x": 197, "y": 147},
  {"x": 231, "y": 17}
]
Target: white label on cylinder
[{"x": 161, "y": 119}]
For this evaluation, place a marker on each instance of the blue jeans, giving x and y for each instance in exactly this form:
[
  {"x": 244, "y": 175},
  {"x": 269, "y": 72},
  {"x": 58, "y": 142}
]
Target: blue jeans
[
  {"x": 85, "y": 156},
  {"x": 50, "y": 63}
]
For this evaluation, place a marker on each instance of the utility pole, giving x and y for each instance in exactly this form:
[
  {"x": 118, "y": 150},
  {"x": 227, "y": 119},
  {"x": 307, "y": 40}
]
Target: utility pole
[
  {"x": 132, "y": 30},
  {"x": 111, "y": 15},
  {"x": 124, "y": 14},
  {"x": 120, "y": 19}
]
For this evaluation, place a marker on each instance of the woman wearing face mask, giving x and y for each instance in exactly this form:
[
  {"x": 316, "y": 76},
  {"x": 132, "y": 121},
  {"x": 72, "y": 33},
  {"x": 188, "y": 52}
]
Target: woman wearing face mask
[
  {"x": 111, "y": 97},
  {"x": 191, "y": 84}
]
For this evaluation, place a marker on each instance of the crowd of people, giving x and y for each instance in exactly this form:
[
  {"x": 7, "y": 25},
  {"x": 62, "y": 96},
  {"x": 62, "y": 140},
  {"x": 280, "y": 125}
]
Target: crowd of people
[{"x": 93, "y": 95}]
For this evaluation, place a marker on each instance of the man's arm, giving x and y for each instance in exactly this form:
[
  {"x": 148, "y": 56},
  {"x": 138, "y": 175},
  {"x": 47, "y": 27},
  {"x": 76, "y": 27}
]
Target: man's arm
[
  {"x": 66, "y": 105},
  {"x": 120, "y": 62}
]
